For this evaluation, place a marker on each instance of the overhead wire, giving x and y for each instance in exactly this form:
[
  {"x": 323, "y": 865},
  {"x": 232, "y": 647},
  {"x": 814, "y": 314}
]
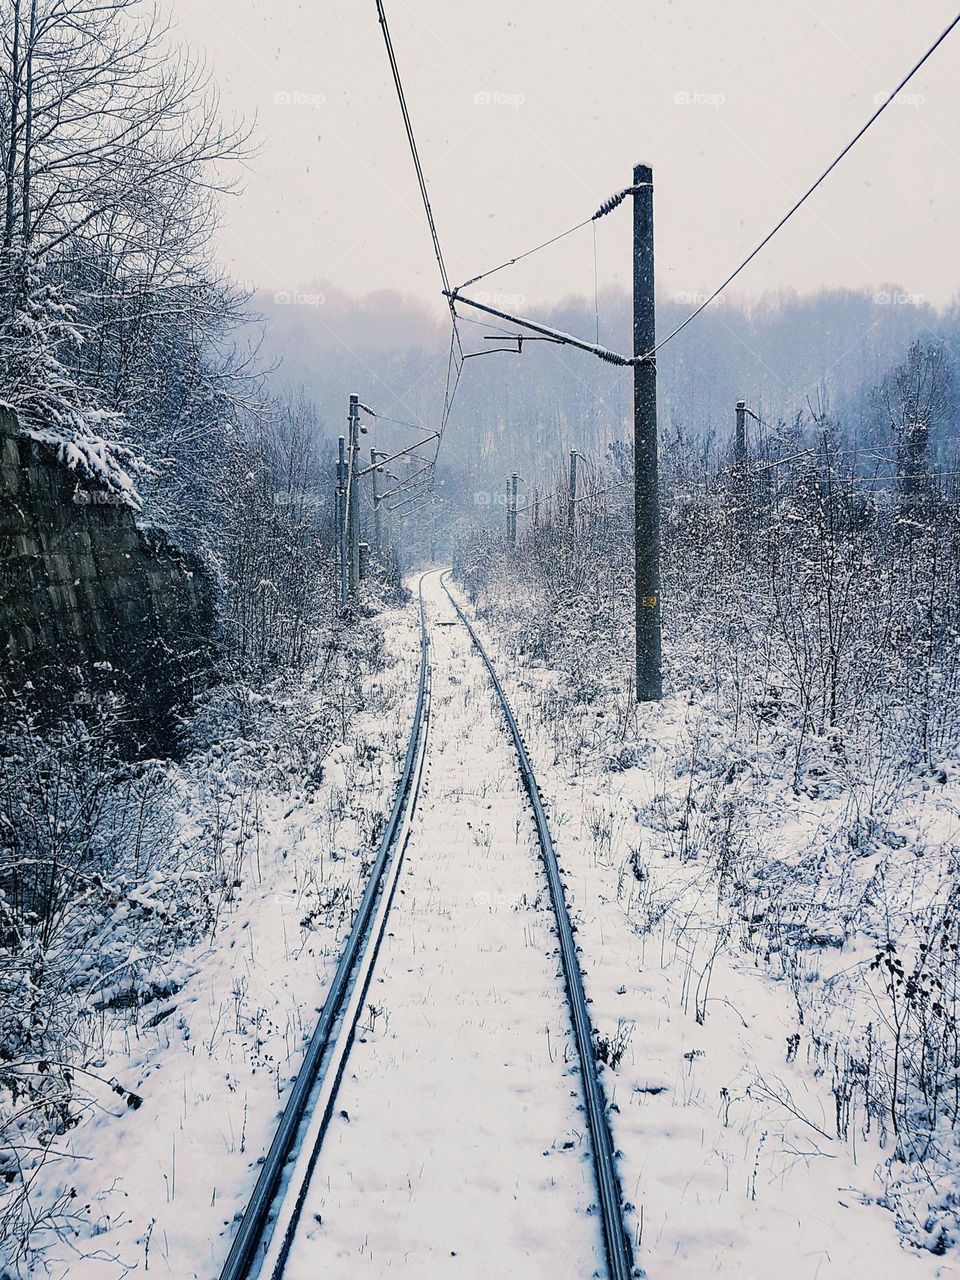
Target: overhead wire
[
  {"x": 487, "y": 324},
  {"x": 526, "y": 254},
  {"x": 606, "y": 207},
  {"x": 583, "y": 497},
  {"x": 613, "y": 201},
  {"x": 399, "y": 422},
  {"x": 455, "y": 358},
  {"x": 411, "y": 139},
  {"x": 810, "y": 190}
]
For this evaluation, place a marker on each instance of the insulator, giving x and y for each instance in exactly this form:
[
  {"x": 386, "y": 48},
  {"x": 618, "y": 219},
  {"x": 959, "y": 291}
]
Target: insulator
[{"x": 610, "y": 204}]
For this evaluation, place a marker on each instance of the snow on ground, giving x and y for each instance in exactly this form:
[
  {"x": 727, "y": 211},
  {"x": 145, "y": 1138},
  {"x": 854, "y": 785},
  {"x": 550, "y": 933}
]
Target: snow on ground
[
  {"x": 157, "y": 1188},
  {"x": 458, "y": 1141},
  {"x": 722, "y": 1102},
  {"x": 457, "y": 1145}
]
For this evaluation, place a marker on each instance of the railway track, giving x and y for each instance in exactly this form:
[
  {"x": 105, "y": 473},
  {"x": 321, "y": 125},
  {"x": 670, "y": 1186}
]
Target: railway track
[
  {"x": 270, "y": 1223},
  {"x": 615, "y": 1238},
  {"x": 270, "y": 1219}
]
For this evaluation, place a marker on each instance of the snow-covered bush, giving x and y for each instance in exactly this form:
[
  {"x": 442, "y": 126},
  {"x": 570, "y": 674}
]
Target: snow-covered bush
[
  {"x": 110, "y": 870},
  {"x": 80, "y": 835}
]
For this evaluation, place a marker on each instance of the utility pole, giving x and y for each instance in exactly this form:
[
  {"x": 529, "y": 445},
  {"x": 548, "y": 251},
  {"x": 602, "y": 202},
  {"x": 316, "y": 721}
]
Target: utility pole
[
  {"x": 646, "y": 480},
  {"x": 377, "y": 516},
  {"x": 353, "y": 496},
  {"x": 341, "y": 521},
  {"x": 513, "y": 509},
  {"x": 740, "y": 439},
  {"x": 571, "y": 506}
]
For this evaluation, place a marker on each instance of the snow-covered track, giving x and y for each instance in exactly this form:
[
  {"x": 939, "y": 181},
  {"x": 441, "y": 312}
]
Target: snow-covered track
[
  {"x": 615, "y": 1237},
  {"x": 270, "y": 1219}
]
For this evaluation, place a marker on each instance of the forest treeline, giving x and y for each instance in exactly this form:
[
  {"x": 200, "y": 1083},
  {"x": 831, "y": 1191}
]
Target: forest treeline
[{"x": 823, "y": 353}]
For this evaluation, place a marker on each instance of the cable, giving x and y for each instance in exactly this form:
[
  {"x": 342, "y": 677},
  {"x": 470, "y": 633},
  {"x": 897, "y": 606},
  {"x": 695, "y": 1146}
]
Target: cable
[
  {"x": 583, "y": 497},
  {"x": 486, "y": 324},
  {"x": 382, "y": 417},
  {"x": 455, "y": 358},
  {"x": 408, "y": 126},
  {"x": 810, "y": 190},
  {"x": 613, "y": 201},
  {"x": 449, "y": 394},
  {"x": 596, "y": 281},
  {"x": 520, "y": 256},
  {"x": 608, "y": 206},
  {"x": 450, "y": 389}
]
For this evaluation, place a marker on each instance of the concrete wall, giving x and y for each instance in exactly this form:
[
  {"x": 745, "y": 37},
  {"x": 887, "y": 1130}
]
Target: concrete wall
[{"x": 89, "y": 604}]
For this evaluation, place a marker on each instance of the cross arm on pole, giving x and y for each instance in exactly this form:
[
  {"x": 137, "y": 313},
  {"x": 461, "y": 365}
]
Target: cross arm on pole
[
  {"x": 406, "y": 484},
  {"x": 555, "y": 335},
  {"x": 434, "y": 435}
]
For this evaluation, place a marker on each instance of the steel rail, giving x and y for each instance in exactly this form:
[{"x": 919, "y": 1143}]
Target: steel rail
[
  {"x": 615, "y": 1238},
  {"x": 254, "y": 1232}
]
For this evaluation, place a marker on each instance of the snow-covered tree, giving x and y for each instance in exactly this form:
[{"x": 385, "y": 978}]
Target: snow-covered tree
[{"x": 113, "y": 151}]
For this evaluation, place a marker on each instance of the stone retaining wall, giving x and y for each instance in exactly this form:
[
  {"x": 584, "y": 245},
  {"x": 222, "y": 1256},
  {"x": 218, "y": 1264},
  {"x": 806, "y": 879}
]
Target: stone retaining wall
[{"x": 90, "y": 604}]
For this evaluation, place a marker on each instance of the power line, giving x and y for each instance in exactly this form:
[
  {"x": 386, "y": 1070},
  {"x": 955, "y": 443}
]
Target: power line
[
  {"x": 810, "y": 190},
  {"x": 613, "y": 201},
  {"x": 583, "y": 497},
  {"x": 456, "y": 356},
  {"x": 486, "y": 324},
  {"x": 399, "y": 422},
  {"x": 454, "y": 370},
  {"x": 526, "y": 254},
  {"x": 421, "y": 180},
  {"x": 608, "y": 206}
]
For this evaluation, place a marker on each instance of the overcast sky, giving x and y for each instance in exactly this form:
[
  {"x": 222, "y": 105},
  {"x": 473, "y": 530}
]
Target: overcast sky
[{"x": 528, "y": 113}]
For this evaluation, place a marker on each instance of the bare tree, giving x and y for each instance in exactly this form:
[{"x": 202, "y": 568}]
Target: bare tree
[
  {"x": 914, "y": 399},
  {"x": 113, "y": 153}
]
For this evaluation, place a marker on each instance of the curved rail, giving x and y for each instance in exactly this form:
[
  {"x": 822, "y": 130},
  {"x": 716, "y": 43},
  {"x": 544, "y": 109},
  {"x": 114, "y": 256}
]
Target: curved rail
[
  {"x": 303, "y": 1123},
  {"x": 615, "y": 1238}
]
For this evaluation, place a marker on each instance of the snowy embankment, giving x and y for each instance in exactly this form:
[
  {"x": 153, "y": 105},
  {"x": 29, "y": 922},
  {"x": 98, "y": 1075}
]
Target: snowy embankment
[
  {"x": 207, "y": 1043},
  {"x": 732, "y": 989}
]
